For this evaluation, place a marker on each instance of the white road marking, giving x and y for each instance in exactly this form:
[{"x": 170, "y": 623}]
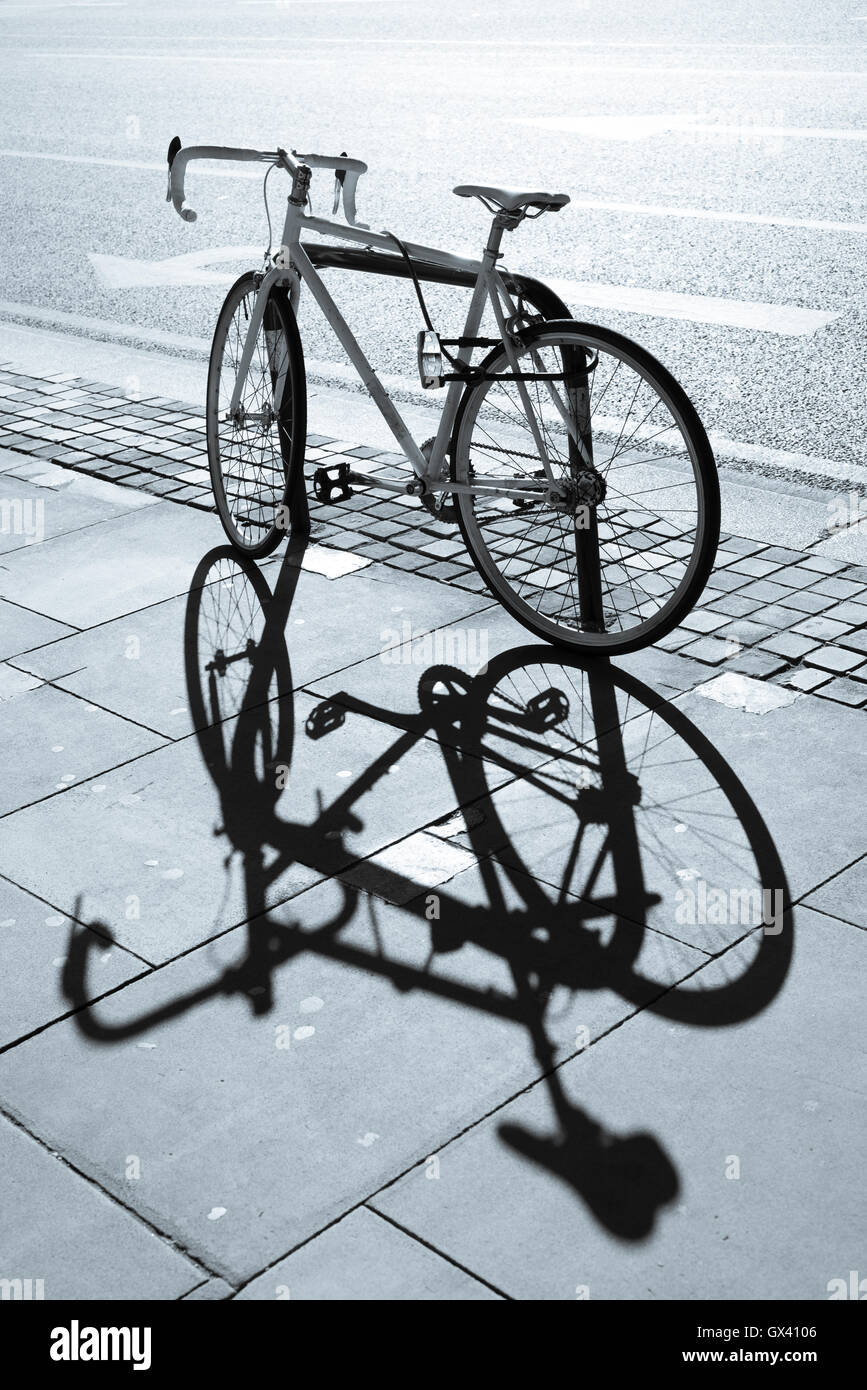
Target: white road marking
[
  {"x": 608, "y": 127},
  {"x": 161, "y": 167},
  {"x": 643, "y": 127},
  {"x": 125, "y": 272},
  {"x": 785, "y": 319},
  {"x": 696, "y": 308},
  {"x": 280, "y": 4},
  {"x": 65, "y": 5},
  {"x": 759, "y": 219},
  {"x": 293, "y": 55},
  {"x": 788, "y": 320}
]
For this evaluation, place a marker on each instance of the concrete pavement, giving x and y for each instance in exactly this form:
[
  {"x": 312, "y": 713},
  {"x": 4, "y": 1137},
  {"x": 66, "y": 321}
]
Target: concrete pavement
[{"x": 357, "y": 980}]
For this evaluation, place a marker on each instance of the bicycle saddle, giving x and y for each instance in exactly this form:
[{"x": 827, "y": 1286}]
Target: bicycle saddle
[{"x": 512, "y": 199}]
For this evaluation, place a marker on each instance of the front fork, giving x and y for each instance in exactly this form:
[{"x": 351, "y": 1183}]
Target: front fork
[{"x": 269, "y": 281}]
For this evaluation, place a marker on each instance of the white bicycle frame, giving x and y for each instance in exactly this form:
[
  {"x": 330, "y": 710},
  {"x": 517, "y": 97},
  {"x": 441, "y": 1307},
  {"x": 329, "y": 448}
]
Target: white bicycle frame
[{"x": 291, "y": 266}]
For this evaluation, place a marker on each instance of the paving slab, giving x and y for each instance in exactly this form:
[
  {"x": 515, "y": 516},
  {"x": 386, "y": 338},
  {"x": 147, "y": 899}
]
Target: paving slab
[
  {"x": 51, "y": 741},
  {"x": 682, "y": 1193},
  {"x": 120, "y": 565},
  {"x": 21, "y": 630},
  {"x": 290, "y": 1072},
  {"x": 157, "y": 853},
  {"x": 34, "y": 940},
  {"x": 845, "y": 895},
  {"x": 31, "y": 514},
  {"x": 139, "y": 665},
  {"x": 365, "y": 1258},
  {"x": 60, "y": 1229},
  {"x": 790, "y": 760},
  {"x": 494, "y": 924}
]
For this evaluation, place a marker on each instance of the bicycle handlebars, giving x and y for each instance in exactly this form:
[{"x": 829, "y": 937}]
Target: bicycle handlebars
[
  {"x": 347, "y": 171},
  {"x": 180, "y": 158}
]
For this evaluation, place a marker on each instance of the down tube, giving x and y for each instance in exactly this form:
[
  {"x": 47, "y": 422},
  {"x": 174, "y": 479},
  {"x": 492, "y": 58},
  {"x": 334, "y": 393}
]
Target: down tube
[{"x": 368, "y": 376}]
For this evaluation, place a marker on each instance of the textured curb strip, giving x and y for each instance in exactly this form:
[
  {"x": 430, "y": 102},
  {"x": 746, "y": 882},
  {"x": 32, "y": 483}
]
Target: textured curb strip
[{"x": 771, "y": 613}]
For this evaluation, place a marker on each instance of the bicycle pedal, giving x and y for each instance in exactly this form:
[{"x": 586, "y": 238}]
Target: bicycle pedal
[
  {"x": 324, "y": 719},
  {"x": 332, "y": 484}
]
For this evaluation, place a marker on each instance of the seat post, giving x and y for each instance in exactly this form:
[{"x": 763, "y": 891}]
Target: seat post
[{"x": 500, "y": 224}]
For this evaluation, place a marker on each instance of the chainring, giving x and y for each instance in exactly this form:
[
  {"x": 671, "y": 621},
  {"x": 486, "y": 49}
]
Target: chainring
[{"x": 447, "y": 513}]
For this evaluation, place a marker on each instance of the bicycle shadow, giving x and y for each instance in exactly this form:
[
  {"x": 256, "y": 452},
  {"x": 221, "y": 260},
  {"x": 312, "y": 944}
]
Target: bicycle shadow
[{"x": 573, "y": 736}]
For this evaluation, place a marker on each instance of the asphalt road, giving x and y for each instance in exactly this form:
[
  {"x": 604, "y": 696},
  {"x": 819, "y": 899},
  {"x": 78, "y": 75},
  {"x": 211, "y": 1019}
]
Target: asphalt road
[{"x": 726, "y": 142}]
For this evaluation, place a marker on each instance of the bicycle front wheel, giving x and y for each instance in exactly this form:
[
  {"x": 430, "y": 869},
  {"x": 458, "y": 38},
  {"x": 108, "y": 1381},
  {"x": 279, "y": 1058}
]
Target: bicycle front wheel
[
  {"x": 256, "y": 454},
  {"x": 624, "y": 549}
]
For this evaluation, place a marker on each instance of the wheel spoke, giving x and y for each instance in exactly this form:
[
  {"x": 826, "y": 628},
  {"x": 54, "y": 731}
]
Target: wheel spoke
[
  {"x": 246, "y": 451},
  {"x": 656, "y": 523}
]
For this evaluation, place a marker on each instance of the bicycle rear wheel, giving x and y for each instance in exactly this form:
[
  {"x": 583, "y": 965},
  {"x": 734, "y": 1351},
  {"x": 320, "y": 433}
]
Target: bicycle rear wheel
[
  {"x": 625, "y": 553},
  {"x": 257, "y": 457}
]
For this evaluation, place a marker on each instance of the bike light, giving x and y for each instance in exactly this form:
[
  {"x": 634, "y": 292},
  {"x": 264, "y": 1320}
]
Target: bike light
[{"x": 430, "y": 360}]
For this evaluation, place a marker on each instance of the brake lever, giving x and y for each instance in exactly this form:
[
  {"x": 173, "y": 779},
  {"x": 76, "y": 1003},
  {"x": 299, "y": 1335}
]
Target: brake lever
[
  {"x": 174, "y": 147},
  {"x": 345, "y": 183},
  {"x": 339, "y": 179}
]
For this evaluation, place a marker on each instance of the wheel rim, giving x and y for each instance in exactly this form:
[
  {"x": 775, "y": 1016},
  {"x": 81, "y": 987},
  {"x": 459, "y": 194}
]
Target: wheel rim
[
  {"x": 652, "y": 522},
  {"x": 249, "y": 461}
]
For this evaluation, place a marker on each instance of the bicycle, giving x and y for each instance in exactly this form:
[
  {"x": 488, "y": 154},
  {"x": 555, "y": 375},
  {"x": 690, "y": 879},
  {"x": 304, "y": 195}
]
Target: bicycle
[{"x": 574, "y": 464}]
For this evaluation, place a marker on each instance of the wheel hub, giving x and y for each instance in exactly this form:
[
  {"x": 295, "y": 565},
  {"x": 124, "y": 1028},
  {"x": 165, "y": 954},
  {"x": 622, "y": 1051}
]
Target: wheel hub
[{"x": 589, "y": 488}]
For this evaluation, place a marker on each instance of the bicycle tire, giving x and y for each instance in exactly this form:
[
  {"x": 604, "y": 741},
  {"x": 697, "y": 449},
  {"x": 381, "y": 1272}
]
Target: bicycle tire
[
  {"x": 662, "y": 388},
  {"x": 265, "y": 469}
]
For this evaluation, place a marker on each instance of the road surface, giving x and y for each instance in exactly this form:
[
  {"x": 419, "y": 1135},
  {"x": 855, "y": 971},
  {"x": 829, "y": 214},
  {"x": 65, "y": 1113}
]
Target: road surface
[{"x": 714, "y": 153}]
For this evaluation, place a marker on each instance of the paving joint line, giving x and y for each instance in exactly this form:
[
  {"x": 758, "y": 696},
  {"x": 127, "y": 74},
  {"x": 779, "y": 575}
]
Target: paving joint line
[
  {"x": 435, "y": 1250},
  {"x": 52, "y": 683},
  {"x": 112, "y": 1197}
]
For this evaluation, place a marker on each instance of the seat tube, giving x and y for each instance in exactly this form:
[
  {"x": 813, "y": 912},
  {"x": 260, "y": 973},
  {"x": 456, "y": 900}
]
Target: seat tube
[
  {"x": 456, "y": 388},
  {"x": 471, "y": 328}
]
